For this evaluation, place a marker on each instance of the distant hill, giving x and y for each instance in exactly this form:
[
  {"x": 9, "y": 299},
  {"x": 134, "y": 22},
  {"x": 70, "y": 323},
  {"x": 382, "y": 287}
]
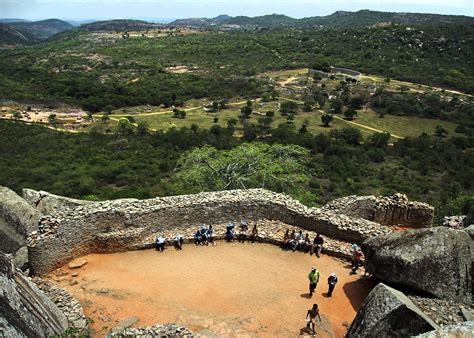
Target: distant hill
[
  {"x": 11, "y": 36},
  {"x": 340, "y": 19},
  {"x": 41, "y": 30},
  {"x": 118, "y": 25},
  {"x": 10, "y": 20}
]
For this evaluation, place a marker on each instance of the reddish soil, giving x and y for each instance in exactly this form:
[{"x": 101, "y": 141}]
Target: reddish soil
[{"x": 229, "y": 289}]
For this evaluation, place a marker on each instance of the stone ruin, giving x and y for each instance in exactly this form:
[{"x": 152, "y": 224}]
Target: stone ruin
[{"x": 54, "y": 230}]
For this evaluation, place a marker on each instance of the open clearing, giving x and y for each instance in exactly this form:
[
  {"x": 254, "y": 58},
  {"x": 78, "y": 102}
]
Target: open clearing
[{"x": 230, "y": 289}]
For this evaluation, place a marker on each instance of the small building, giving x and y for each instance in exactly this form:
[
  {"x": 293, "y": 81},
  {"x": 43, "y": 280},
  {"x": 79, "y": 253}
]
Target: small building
[{"x": 345, "y": 71}]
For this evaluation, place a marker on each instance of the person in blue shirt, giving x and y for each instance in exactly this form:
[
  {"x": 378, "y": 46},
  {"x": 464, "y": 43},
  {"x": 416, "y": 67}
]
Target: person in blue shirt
[
  {"x": 160, "y": 243},
  {"x": 178, "y": 242},
  {"x": 210, "y": 235},
  {"x": 229, "y": 233}
]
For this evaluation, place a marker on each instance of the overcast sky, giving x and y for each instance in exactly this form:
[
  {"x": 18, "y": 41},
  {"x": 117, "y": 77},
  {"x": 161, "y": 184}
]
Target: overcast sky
[{"x": 108, "y": 9}]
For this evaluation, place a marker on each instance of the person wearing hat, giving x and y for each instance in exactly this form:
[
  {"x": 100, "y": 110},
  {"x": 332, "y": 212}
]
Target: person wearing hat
[
  {"x": 332, "y": 280},
  {"x": 313, "y": 277}
]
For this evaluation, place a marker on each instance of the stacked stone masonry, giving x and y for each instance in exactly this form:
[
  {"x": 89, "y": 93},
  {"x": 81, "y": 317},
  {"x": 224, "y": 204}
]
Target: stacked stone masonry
[
  {"x": 393, "y": 210},
  {"x": 131, "y": 224}
]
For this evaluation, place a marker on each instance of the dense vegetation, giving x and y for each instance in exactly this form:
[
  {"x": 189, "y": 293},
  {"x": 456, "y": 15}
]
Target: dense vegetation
[
  {"x": 130, "y": 71},
  {"x": 25, "y": 32},
  {"x": 321, "y": 167}
]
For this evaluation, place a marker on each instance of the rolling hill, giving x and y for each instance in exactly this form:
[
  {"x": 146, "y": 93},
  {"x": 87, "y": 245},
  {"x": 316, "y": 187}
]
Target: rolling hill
[{"x": 340, "y": 19}]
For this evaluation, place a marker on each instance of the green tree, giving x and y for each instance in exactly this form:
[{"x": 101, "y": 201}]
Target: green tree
[
  {"x": 336, "y": 106},
  {"x": 246, "y": 111},
  {"x": 281, "y": 168},
  {"x": 327, "y": 119},
  {"x": 288, "y": 107},
  {"x": 52, "y": 120},
  {"x": 350, "y": 113},
  {"x": 124, "y": 127},
  {"x": 440, "y": 131}
]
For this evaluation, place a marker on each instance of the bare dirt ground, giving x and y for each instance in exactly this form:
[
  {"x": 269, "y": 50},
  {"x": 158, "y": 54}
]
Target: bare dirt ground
[{"x": 229, "y": 290}]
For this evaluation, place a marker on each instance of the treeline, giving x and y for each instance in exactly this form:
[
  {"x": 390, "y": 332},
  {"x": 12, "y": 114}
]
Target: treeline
[{"x": 340, "y": 163}]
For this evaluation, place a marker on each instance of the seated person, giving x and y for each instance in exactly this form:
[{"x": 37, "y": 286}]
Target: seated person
[
  {"x": 292, "y": 241},
  {"x": 229, "y": 232},
  {"x": 317, "y": 245},
  {"x": 286, "y": 240},
  {"x": 160, "y": 243},
  {"x": 203, "y": 234},
  {"x": 299, "y": 240},
  {"x": 198, "y": 237},
  {"x": 178, "y": 242},
  {"x": 210, "y": 235},
  {"x": 243, "y": 231},
  {"x": 307, "y": 243}
]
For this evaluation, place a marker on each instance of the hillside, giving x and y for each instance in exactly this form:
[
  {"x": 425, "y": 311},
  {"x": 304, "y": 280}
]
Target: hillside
[
  {"x": 340, "y": 19},
  {"x": 11, "y": 36},
  {"x": 118, "y": 25},
  {"x": 41, "y": 30}
]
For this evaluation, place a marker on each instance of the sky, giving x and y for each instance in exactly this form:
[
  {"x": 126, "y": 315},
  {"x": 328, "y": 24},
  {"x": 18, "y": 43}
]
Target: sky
[{"x": 173, "y": 9}]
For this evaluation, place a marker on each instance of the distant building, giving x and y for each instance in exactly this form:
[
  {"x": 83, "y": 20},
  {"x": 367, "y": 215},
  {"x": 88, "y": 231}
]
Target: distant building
[{"x": 345, "y": 71}]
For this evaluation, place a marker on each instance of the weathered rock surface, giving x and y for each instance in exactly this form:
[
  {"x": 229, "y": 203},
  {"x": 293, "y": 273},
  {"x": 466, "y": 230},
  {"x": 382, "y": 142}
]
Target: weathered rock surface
[
  {"x": 455, "y": 222},
  {"x": 166, "y": 330},
  {"x": 46, "y": 203},
  {"x": 470, "y": 231},
  {"x": 387, "y": 312},
  {"x": 391, "y": 210},
  {"x": 464, "y": 330},
  {"x": 25, "y": 311},
  {"x": 122, "y": 225},
  {"x": 435, "y": 260},
  {"x": 17, "y": 219},
  {"x": 77, "y": 263}
]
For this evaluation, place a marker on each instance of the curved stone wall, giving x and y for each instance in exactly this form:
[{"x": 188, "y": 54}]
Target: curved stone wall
[{"x": 122, "y": 225}]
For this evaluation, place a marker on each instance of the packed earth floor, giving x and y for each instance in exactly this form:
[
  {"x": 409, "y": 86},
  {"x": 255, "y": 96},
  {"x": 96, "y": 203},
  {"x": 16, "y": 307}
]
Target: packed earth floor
[{"x": 230, "y": 289}]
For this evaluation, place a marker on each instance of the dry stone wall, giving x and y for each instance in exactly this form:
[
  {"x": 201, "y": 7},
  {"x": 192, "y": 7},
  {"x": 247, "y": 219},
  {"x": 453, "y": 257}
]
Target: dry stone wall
[
  {"x": 122, "y": 225},
  {"x": 392, "y": 210}
]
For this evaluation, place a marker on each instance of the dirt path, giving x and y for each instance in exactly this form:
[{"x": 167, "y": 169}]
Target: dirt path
[{"x": 230, "y": 289}]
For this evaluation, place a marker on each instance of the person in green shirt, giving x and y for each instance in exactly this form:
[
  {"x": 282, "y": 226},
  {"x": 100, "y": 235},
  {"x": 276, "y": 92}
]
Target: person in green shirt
[{"x": 313, "y": 280}]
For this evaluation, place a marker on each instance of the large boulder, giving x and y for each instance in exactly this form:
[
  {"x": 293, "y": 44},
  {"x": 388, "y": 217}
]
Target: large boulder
[
  {"x": 387, "y": 312},
  {"x": 436, "y": 261},
  {"x": 391, "y": 210},
  {"x": 47, "y": 203},
  {"x": 25, "y": 311},
  {"x": 17, "y": 220},
  {"x": 17, "y": 213}
]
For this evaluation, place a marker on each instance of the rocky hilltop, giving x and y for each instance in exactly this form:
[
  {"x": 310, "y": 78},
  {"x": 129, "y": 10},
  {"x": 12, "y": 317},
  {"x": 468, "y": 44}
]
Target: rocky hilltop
[{"x": 426, "y": 272}]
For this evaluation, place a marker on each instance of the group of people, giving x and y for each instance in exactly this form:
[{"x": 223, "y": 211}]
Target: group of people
[
  {"x": 205, "y": 236},
  {"x": 243, "y": 234},
  {"x": 299, "y": 241},
  {"x": 313, "y": 313}
]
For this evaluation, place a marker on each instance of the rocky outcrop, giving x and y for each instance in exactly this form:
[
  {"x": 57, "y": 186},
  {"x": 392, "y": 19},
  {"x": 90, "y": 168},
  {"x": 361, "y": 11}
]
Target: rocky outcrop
[
  {"x": 455, "y": 222},
  {"x": 46, "y": 203},
  {"x": 387, "y": 312},
  {"x": 470, "y": 231},
  {"x": 17, "y": 219},
  {"x": 129, "y": 224},
  {"x": 167, "y": 330},
  {"x": 436, "y": 261},
  {"x": 16, "y": 212},
  {"x": 25, "y": 311},
  {"x": 391, "y": 210},
  {"x": 464, "y": 330}
]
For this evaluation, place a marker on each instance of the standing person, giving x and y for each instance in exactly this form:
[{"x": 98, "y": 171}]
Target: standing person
[
  {"x": 178, "y": 242},
  {"x": 313, "y": 277},
  {"x": 311, "y": 318},
  {"x": 357, "y": 261},
  {"x": 286, "y": 240},
  {"x": 160, "y": 243},
  {"x": 317, "y": 245},
  {"x": 332, "y": 281},
  {"x": 244, "y": 228},
  {"x": 254, "y": 234}
]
